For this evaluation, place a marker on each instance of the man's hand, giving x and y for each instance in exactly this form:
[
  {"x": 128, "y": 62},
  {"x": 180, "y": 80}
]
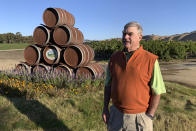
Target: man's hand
[{"x": 105, "y": 115}]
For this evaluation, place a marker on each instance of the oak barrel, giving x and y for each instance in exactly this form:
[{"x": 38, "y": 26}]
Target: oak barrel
[
  {"x": 92, "y": 70},
  {"x": 78, "y": 55},
  {"x": 23, "y": 67},
  {"x": 41, "y": 69},
  {"x": 62, "y": 68},
  {"x": 41, "y": 35},
  {"x": 57, "y": 16},
  {"x": 66, "y": 35},
  {"x": 33, "y": 54}
]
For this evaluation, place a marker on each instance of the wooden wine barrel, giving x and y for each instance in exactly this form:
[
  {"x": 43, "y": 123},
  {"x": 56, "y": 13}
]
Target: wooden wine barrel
[
  {"x": 41, "y": 35},
  {"x": 62, "y": 68},
  {"x": 57, "y": 16},
  {"x": 51, "y": 54},
  {"x": 66, "y": 35},
  {"x": 78, "y": 55},
  {"x": 32, "y": 54},
  {"x": 41, "y": 69},
  {"x": 92, "y": 70},
  {"x": 23, "y": 67}
]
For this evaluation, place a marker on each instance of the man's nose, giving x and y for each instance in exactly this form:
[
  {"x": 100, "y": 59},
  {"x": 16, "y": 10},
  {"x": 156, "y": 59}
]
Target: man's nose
[{"x": 126, "y": 36}]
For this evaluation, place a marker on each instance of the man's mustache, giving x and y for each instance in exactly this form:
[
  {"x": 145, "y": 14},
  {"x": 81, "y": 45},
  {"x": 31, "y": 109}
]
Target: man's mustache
[{"x": 123, "y": 40}]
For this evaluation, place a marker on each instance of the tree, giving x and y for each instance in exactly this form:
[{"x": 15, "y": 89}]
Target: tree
[
  {"x": 1, "y": 38},
  {"x": 9, "y": 37},
  {"x": 18, "y": 37}
]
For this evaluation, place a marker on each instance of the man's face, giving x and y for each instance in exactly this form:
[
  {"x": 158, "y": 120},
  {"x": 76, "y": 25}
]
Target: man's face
[{"x": 131, "y": 38}]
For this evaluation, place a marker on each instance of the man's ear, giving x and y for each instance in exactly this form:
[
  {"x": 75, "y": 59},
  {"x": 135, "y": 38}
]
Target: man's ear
[{"x": 140, "y": 36}]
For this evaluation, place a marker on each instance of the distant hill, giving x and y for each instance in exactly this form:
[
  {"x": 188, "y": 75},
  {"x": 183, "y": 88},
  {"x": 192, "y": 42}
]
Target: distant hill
[{"x": 177, "y": 37}]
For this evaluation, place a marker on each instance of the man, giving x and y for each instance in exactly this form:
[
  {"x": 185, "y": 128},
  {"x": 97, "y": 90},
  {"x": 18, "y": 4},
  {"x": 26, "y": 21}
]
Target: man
[{"x": 134, "y": 83}]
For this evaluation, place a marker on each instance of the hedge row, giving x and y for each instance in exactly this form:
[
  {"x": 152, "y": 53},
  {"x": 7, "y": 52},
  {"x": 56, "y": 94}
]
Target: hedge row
[{"x": 166, "y": 50}]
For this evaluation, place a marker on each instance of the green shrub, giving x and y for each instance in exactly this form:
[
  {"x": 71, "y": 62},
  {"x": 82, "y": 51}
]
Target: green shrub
[{"x": 166, "y": 50}]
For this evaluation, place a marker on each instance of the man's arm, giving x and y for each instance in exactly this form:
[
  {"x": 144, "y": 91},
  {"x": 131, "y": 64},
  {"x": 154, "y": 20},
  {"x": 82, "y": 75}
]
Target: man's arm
[
  {"x": 107, "y": 95},
  {"x": 154, "y": 102},
  {"x": 158, "y": 88}
]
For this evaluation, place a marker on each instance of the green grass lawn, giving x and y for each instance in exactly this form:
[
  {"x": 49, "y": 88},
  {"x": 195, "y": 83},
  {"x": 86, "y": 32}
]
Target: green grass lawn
[
  {"x": 13, "y": 46},
  {"x": 66, "y": 110}
]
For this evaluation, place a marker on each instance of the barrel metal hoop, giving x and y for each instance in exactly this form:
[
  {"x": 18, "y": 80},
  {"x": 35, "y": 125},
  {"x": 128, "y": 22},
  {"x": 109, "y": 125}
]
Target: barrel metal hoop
[
  {"x": 82, "y": 55},
  {"x": 59, "y": 18},
  {"x": 48, "y": 33},
  {"x": 76, "y": 40},
  {"x": 58, "y": 53},
  {"x": 87, "y": 60},
  {"x": 70, "y": 33},
  {"x": 64, "y": 17},
  {"x": 39, "y": 53},
  {"x": 64, "y": 66},
  {"x": 92, "y": 69}
]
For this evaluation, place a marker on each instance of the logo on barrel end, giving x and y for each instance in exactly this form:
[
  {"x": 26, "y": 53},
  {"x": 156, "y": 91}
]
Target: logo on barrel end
[{"x": 51, "y": 54}]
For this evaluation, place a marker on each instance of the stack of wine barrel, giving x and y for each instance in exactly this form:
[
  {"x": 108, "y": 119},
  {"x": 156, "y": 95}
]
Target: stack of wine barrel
[{"x": 59, "y": 47}]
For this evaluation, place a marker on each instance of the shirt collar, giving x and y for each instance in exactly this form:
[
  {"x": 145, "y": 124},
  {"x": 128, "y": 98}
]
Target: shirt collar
[{"x": 131, "y": 52}]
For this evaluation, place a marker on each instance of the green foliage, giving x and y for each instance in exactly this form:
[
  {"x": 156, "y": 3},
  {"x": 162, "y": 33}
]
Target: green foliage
[
  {"x": 177, "y": 109},
  {"x": 15, "y": 38},
  {"x": 191, "y": 48},
  {"x": 177, "y": 50},
  {"x": 160, "y": 48},
  {"x": 69, "y": 110},
  {"x": 166, "y": 50},
  {"x": 13, "y": 46},
  {"x": 104, "y": 49},
  {"x": 27, "y": 85}
]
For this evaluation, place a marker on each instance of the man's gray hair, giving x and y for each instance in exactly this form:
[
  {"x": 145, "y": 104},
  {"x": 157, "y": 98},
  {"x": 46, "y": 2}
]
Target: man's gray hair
[{"x": 134, "y": 24}]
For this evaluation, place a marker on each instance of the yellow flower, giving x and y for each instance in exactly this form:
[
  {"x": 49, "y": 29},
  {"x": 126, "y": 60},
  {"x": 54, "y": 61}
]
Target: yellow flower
[
  {"x": 50, "y": 86},
  {"x": 23, "y": 84}
]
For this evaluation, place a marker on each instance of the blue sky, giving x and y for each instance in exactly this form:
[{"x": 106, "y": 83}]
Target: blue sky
[{"x": 103, "y": 19}]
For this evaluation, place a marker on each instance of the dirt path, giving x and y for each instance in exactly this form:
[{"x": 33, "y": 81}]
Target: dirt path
[
  {"x": 180, "y": 72},
  {"x": 183, "y": 72},
  {"x": 8, "y": 59}
]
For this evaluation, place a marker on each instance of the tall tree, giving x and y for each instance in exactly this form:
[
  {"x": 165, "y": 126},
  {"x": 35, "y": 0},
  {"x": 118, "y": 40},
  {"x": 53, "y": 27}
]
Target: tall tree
[
  {"x": 18, "y": 37},
  {"x": 1, "y": 38},
  {"x": 9, "y": 37}
]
